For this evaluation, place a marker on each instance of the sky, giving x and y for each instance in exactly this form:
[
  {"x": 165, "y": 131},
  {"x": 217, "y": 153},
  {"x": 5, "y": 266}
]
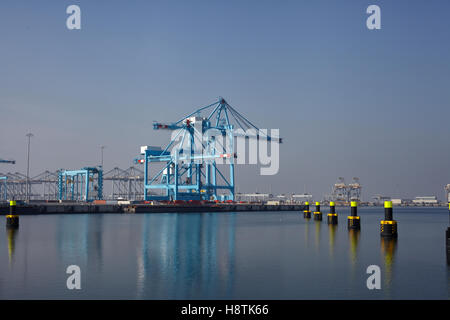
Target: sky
[{"x": 349, "y": 101}]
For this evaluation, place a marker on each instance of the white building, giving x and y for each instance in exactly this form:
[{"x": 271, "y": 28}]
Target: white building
[
  {"x": 302, "y": 197},
  {"x": 425, "y": 200}
]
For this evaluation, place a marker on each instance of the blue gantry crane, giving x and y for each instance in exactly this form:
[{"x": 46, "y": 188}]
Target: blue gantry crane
[
  {"x": 79, "y": 185},
  {"x": 200, "y": 141},
  {"x": 3, "y": 181}
]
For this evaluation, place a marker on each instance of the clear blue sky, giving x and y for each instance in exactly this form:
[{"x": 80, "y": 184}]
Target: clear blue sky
[{"x": 348, "y": 101}]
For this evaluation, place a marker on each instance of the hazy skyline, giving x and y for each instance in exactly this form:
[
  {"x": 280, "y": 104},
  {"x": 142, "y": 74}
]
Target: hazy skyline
[{"x": 348, "y": 101}]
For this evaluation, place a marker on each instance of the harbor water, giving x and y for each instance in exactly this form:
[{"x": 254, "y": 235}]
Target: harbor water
[{"x": 246, "y": 255}]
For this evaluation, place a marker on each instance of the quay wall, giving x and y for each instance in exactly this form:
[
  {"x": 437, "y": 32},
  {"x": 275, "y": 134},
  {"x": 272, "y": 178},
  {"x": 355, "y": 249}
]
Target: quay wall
[{"x": 83, "y": 208}]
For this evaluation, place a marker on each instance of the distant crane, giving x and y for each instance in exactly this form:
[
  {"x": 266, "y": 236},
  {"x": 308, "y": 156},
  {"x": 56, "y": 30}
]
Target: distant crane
[
  {"x": 343, "y": 192},
  {"x": 4, "y": 179},
  {"x": 340, "y": 190},
  {"x": 78, "y": 185},
  {"x": 447, "y": 193},
  {"x": 354, "y": 190}
]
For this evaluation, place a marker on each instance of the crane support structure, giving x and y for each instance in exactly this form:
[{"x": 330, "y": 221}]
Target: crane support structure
[
  {"x": 3, "y": 180},
  {"x": 346, "y": 193},
  {"x": 189, "y": 165},
  {"x": 4, "y": 188},
  {"x": 77, "y": 185}
]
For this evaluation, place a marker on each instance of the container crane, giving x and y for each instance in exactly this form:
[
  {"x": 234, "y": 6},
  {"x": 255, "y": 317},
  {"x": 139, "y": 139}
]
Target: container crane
[
  {"x": 189, "y": 162},
  {"x": 78, "y": 185}
]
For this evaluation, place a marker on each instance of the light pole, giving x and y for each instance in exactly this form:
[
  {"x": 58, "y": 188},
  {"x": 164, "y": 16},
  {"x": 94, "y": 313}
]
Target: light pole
[
  {"x": 102, "y": 147},
  {"x": 29, "y": 135}
]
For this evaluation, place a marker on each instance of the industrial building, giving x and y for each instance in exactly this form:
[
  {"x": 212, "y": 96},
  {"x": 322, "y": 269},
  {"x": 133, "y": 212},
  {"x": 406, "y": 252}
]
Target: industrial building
[
  {"x": 302, "y": 198},
  {"x": 254, "y": 197},
  {"x": 424, "y": 200}
]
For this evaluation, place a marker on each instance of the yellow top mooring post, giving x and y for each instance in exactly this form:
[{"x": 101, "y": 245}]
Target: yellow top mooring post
[
  {"x": 332, "y": 216},
  {"x": 317, "y": 213},
  {"x": 12, "y": 219},
  {"x": 307, "y": 206},
  {"x": 354, "y": 208},
  {"x": 306, "y": 212},
  {"x": 332, "y": 207},
  {"x": 388, "y": 226},
  {"x": 353, "y": 219},
  {"x": 388, "y": 211},
  {"x": 12, "y": 208}
]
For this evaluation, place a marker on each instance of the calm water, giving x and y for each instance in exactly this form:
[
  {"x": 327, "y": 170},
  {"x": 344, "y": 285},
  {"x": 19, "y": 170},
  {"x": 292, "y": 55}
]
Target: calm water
[{"x": 260, "y": 255}]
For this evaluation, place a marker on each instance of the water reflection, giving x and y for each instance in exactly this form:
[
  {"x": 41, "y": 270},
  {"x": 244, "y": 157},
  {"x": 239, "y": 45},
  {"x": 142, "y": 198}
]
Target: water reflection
[
  {"x": 307, "y": 231},
  {"x": 354, "y": 237},
  {"x": 142, "y": 257},
  {"x": 231, "y": 255},
  {"x": 318, "y": 225},
  {"x": 332, "y": 231},
  {"x": 215, "y": 256},
  {"x": 11, "y": 234},
  {"x": 185, "y": 256},
  {"x": 72, "y": 238},
  {"x": 388, "y": 249},
  {"x": 95, "y": 241},
  {"x": 354, "y": 241},
  {"x": 79, "y": 240}
]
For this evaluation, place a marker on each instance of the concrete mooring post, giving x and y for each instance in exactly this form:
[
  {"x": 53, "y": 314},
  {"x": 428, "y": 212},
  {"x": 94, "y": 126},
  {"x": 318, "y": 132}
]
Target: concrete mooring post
[
  {"x": 307, "y": 212},
  {"x": 317, "y": 213},
  {"x": 354, "y": 222},
  {"x": 332, "y": 216},
  {"x": 388, "y": 225}
]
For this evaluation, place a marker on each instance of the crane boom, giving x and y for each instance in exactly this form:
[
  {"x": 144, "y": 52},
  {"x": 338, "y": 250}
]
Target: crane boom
[{"x": 7, "y": 161}]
